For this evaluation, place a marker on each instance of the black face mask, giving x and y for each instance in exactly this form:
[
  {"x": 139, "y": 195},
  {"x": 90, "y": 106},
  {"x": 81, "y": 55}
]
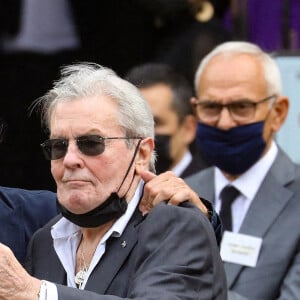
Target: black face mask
[
  {"x": 111, "y": 209},
  {"x": 163, "y": 149}
]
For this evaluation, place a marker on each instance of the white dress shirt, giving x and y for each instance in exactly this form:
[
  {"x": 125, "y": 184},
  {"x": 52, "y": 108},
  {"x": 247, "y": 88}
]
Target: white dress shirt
[
  {"x": 66, "y": 237},
  {"x": 248, "y": 184},
  {"x": 182, "y": 165}
]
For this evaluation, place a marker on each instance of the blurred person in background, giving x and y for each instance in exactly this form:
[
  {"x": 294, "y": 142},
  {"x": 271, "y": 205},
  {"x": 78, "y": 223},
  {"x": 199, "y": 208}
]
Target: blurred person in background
[
  {"x": 254, "y": 185},
  {"x": 37, "y": 37},
  {"x": 22, "y": 212},
  {"x": 168, "y": 94},
  {"x": 274, "y": 26},
  {"x": 186, "y": 30}
]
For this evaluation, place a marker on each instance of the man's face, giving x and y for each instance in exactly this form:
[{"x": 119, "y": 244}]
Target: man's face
[
  {"x": 232, "y": 78},
  {"x": 160, "y": 97},
  {"x": 84, "y": 182}
]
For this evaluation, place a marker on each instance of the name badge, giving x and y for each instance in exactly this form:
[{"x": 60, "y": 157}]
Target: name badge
[{"x": 240, "y": 248}]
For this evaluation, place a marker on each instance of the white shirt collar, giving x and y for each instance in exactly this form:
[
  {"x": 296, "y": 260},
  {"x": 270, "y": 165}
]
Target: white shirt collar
[
  {"x": 182, "y": 165},
  {"x": 66, "y": 237}
]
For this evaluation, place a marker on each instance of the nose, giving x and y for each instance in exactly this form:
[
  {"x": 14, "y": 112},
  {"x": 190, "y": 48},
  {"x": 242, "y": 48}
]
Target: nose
[
  {"x": 73, "y": 157},
  {"x": 225, "y": 121}
]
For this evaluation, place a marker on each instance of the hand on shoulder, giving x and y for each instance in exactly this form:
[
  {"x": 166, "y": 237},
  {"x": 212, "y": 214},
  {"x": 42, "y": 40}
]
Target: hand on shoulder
[{"x": 167, "y": 187}]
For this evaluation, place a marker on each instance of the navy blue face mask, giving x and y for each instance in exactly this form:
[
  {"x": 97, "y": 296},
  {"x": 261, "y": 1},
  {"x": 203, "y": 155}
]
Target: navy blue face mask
[{"x": 233, "y": 151}]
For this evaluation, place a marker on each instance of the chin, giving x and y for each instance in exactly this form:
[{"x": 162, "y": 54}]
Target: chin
[{"x": 75, "y": 201}]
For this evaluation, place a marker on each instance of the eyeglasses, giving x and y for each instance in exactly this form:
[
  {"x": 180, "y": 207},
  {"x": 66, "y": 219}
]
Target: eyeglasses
[
  {"x": 241, "y": 111},
  {"x": 90, "y": 145}
]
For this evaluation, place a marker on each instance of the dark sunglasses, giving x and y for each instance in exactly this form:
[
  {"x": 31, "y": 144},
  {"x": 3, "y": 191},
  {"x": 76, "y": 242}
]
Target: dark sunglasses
[{"x": 90, "y": 145}]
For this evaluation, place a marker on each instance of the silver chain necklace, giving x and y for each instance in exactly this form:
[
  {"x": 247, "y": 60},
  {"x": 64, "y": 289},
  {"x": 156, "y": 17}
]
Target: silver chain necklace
[{"x": 81, "y": 274}]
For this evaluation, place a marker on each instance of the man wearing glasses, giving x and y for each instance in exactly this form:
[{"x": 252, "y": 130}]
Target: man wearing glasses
[
  {"x": 255, "y": 187},
  {"x": 102, "y": 247}
]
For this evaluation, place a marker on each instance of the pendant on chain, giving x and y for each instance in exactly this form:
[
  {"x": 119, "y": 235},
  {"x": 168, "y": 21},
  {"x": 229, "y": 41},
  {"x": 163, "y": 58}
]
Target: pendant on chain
[{"x": 80, "y": 277}]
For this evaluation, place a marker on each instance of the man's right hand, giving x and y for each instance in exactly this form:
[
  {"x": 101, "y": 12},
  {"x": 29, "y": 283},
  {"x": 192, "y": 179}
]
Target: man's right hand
[{"x": 167, "y": 186}]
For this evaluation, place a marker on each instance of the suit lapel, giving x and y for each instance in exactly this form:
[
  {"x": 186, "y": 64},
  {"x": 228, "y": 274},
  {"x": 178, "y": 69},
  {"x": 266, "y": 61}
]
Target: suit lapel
[
  {"x": 208, "y": 189},
  {"x": 42, "y": 261},
  {"x": 197, "y": 164},
  {"x": 205, "y": 190},
  {"x": 116, "y": 252},
  {"x": 56, "y": 271},
  {"x": 269, "y": 201}
]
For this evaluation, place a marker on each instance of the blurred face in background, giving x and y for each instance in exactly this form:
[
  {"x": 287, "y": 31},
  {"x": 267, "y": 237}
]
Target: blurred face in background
[{"x": 172, "y": 137}]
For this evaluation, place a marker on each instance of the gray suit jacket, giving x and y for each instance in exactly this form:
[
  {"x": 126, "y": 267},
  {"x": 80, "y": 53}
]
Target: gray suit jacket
[
  {"x": 170, "y": 254},
  {"x": 274, "y": 215}
]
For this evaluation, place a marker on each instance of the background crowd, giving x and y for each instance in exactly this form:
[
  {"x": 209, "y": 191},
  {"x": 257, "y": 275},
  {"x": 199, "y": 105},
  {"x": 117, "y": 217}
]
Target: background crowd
[
  {"x": 217, "y": 102},
  {"x": 38, "y": 37}
]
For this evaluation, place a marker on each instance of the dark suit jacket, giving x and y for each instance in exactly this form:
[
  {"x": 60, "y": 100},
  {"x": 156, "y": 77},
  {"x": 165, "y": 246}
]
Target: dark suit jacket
[
  {"x": 22, "y": 212},
  {"x": 170, "y": 254},
  {"x": 274, "y": 215},
  {"x": 197, "y": 164}
]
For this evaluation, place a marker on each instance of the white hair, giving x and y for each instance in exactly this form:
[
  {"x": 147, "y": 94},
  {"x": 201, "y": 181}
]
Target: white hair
[
  {"x": 88, "y": 79},
  {"x": 271, "y": 70}
]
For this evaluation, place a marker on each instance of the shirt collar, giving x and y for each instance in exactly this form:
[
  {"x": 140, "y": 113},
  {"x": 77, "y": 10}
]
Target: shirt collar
[
  {"x": 182, "y": 165},
  {"x": 249, "y": 182}
]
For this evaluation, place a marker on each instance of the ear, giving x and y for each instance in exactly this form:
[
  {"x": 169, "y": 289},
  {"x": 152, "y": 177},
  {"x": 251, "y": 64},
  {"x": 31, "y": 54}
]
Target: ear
[
  {"x": 280, "y": 111},
  {"x": 193, "y": 101},
  {"x": 144, "y": 155},
  {"x": 189, "y": 126}
]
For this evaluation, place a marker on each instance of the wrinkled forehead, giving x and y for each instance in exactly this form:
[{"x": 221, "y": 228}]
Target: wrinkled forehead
[{"x": 84, "y": 114}]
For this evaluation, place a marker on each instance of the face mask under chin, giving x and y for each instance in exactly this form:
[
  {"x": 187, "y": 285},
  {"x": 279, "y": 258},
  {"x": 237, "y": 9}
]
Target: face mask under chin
[{"x": 111, "y": 209}]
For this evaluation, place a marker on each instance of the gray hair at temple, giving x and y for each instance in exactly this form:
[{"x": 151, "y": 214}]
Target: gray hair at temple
[
  {"x": 271, "y": 70},
  {"x": 88, "y": 79}
]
